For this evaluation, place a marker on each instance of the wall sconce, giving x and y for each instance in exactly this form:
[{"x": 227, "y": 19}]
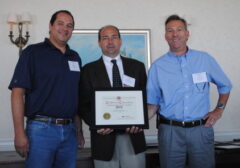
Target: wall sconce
[{"x": 20, "y": 21}]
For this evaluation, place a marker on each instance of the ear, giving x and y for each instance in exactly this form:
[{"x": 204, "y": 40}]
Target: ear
[
  {"x": 187, "y": 34},
  {"x": 120, "y": 42},
  {"x": 50, "y": 27},
  {"x": 165, "y": 36}
]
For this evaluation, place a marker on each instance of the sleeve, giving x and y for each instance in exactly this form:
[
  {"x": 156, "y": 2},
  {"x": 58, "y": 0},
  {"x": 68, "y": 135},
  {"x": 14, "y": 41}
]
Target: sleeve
[
  {"x": 153, "y": 88},
  {"x": 143, "y": 77},
  {"x": 23, "y": 70},
  {"x": 218, "y": 77}
]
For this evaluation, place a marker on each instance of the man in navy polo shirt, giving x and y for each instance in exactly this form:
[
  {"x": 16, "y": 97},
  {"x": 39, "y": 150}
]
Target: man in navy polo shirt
[{"x": 45, "y": 90}]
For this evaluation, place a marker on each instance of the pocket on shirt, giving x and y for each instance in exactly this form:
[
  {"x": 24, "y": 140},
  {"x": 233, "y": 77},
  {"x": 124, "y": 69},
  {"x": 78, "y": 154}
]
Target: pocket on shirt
[{"x": 201, "y": 87}]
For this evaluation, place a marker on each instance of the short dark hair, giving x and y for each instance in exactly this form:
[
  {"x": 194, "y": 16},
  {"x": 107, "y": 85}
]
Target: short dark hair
[
  {"x": 54, "y": 16},
  {"x": 176, "y": 17},
  {"x": 101, "y": 29}
]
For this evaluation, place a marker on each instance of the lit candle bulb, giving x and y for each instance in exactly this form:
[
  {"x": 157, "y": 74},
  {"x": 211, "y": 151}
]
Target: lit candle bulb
[{"x": 12, "y": 19}]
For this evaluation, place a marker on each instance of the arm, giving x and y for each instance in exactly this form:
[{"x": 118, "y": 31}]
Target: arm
[
  {"x": 79, "y": 131},
  {"x": 216, "y": 114},
  {"x": 20, "y": 141},
  {"x": 85, "y": 97},
  {"x": 152, "y": 109}
]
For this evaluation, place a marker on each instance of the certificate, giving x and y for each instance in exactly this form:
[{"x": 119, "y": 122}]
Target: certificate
[{"x": 119, "y": 108}]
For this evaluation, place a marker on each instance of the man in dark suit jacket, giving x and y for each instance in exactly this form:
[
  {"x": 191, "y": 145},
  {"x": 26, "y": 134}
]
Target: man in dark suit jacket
[{"x": 112, "y": 148}]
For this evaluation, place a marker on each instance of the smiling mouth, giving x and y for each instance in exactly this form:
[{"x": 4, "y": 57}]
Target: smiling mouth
[
  {"x": 64, "y": 33},
  {"x": 175, "y": 39}
]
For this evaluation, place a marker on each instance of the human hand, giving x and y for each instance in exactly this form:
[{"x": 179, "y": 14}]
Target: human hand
[
  {"x": 80, "y": 138},
  {"x": 105, "y": 131},
  {"x": 21, "y": 145},
  {"x": 213, "y": 116},
  {"x": 134, "y": 130}
]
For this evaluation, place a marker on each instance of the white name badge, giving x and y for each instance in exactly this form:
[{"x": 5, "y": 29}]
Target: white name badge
[
  {"x": 199, "y": 77},
  {"x": 73, "y": 66},
  {"x": 129, "y": 81}
]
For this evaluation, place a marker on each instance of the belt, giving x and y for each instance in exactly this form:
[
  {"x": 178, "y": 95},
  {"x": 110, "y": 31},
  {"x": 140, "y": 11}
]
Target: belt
[
  {"x": 57, "y": 121},
  {"x": 184, "y": 124}
]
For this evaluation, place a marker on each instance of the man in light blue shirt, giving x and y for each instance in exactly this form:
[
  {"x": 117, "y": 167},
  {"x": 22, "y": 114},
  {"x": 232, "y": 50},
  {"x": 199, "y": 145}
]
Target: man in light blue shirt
[{"x": 178, "y": 90}]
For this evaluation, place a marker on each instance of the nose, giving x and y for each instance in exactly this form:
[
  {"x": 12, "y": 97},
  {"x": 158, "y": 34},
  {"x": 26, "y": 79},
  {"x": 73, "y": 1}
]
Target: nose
[
  {"x": 110, "y": 40},
  {"x": 175, "y": 33},
  {"x": 65, "y": 27}
]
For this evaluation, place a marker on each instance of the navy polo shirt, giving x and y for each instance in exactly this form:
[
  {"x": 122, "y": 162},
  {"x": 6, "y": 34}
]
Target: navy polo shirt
[{"x": 50, "y": 78}]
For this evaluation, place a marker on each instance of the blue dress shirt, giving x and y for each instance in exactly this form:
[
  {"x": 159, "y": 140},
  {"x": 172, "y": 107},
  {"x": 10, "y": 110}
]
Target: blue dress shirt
[{"x": 180, "y": 96}]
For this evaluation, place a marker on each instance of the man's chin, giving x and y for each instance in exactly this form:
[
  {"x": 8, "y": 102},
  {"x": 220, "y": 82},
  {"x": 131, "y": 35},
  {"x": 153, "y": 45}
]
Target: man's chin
[
  {"x": 63, "y": 41},
  {"x": 112, "y": 55}
]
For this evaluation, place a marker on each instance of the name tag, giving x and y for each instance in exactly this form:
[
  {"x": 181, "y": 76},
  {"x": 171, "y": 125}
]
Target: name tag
[
  {"x": 129, "y": 81},
  {"x": 199, "y": 77},
  {"x": 73, "y": 66}
]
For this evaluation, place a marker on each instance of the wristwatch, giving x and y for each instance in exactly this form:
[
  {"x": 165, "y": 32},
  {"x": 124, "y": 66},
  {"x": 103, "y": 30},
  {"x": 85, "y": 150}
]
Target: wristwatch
[{"x": 221, "y": 105}]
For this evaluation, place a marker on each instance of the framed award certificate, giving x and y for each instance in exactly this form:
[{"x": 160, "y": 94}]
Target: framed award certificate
[{"x": 119, "y": 108}]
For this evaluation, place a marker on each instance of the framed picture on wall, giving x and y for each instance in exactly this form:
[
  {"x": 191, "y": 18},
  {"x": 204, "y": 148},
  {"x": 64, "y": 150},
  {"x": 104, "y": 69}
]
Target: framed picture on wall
[{"x": 135, "y": 44}]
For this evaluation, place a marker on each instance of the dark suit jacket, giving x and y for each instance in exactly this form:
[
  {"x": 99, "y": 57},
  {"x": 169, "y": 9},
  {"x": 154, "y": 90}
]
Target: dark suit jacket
[{"x": 94, "y": 75}]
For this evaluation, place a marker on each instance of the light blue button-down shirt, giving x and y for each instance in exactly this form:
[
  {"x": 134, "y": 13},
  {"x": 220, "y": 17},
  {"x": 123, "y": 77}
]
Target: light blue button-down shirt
[{"x": 180, "y": 96}]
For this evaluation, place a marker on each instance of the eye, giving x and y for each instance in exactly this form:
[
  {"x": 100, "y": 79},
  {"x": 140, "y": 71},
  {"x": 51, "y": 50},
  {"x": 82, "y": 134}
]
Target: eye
[
  {"x": 115, "y": 37},
  {"x": 180, "y": 29},
  {"x": 70, "y": 25},
  {"x": 60, "y": 23},
  {"x": 104, "y": 38}
]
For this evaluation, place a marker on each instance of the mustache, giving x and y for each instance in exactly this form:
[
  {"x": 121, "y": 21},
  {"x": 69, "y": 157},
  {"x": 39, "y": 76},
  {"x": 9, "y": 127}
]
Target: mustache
[{"x": 110, "y": 46}]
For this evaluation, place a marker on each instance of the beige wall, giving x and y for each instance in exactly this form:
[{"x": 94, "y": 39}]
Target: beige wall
[{"x": 214, "y": 28}]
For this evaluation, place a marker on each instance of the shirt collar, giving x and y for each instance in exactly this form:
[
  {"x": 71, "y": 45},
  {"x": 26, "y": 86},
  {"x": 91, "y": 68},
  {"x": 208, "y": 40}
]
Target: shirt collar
[
  {"x": 109, "y": 59},
  {"x": 48, "y": 42},
  {"x": 174, "y": 56}
]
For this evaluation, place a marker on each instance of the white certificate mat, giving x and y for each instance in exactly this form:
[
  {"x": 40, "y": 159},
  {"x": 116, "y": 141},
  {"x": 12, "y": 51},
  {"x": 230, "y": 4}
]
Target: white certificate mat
[{"x": 119, "y": 108}]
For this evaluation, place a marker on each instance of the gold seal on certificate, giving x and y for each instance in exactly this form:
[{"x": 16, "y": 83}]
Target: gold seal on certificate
[{"x": 106, "y": 116}]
